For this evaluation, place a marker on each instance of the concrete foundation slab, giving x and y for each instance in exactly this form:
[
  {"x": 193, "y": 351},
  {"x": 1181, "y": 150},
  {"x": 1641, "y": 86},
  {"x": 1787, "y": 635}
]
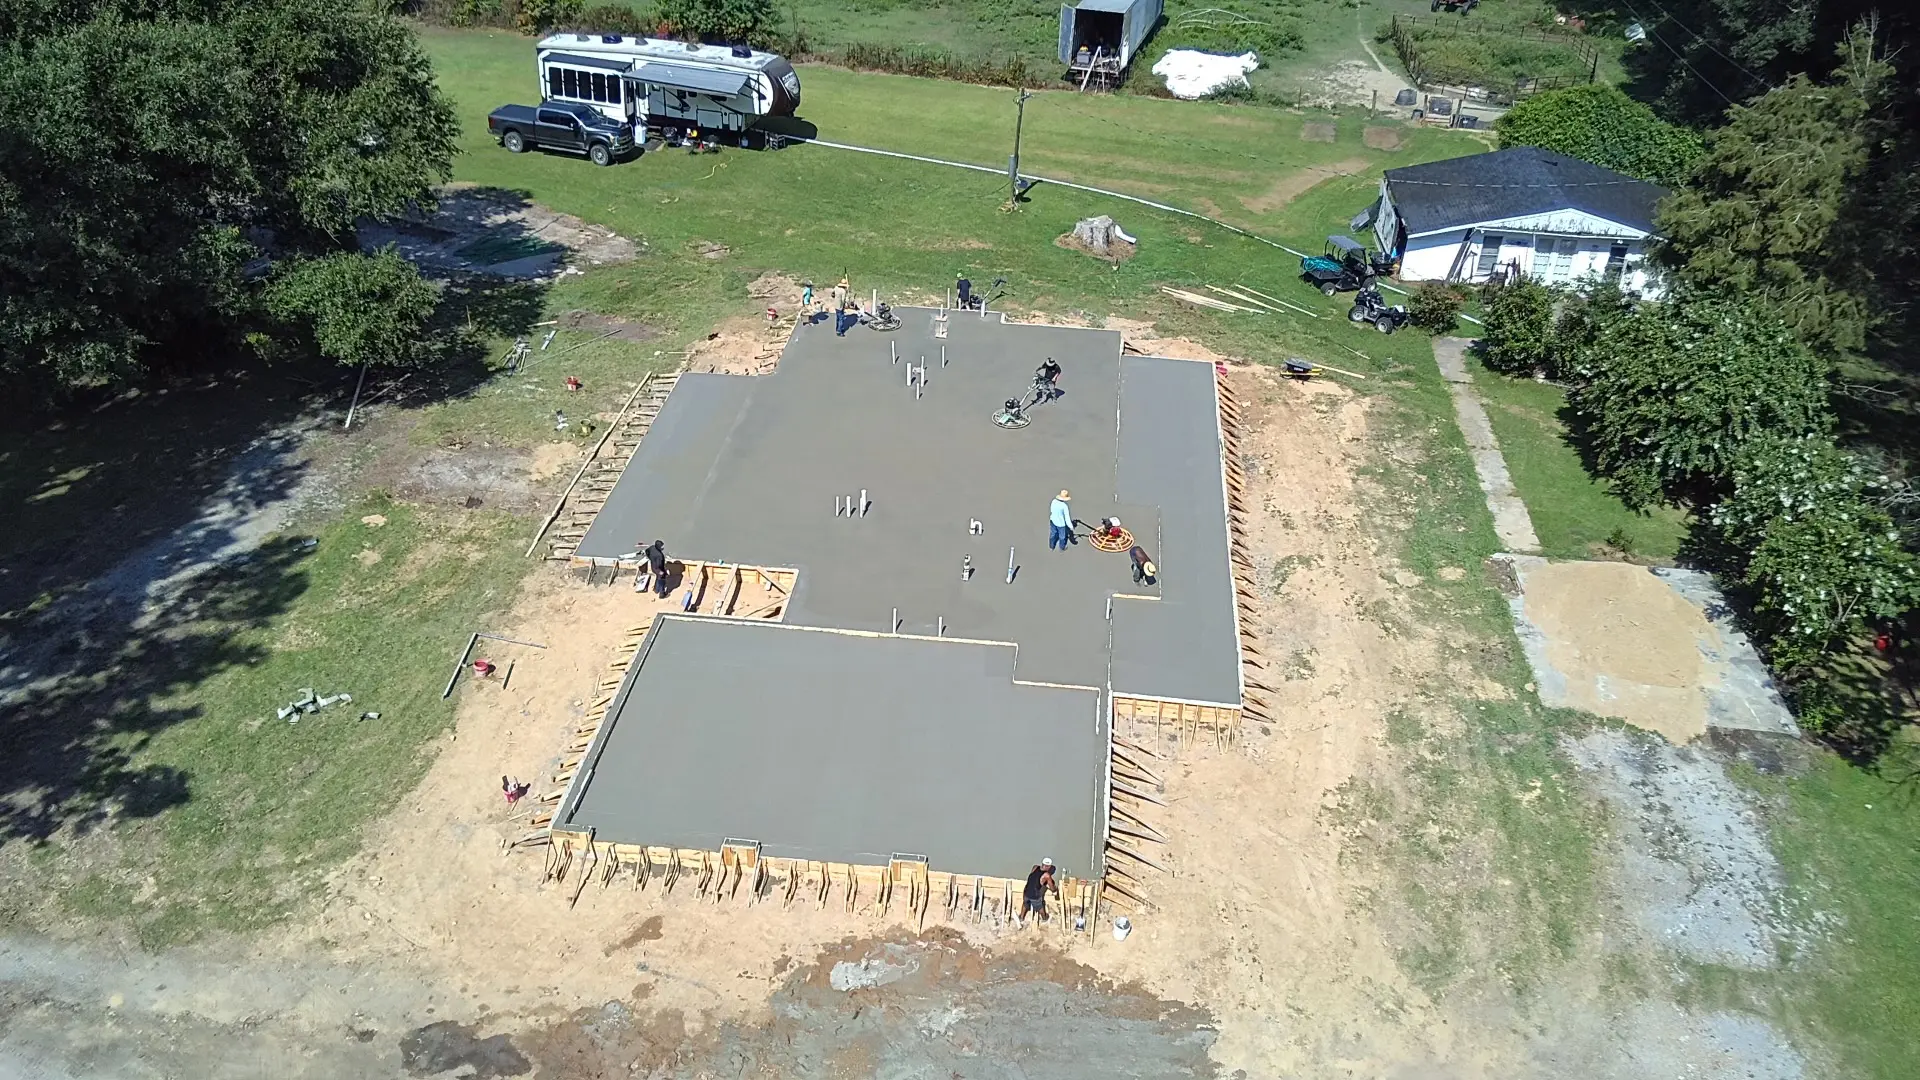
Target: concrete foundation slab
[
  {"x": 748, "y": 470},
  {"x": 844, "y": 747}
]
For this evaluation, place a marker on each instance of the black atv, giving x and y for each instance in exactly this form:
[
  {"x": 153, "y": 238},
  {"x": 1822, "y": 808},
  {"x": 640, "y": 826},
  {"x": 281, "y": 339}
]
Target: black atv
[
  {"x": 1370, "y": 307},
  {"x": 1346, "y": 266}
]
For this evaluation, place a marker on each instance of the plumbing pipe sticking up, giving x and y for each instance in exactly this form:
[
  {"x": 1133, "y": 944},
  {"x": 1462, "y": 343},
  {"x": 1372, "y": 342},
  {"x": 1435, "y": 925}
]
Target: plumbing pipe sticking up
[
  {"x": 1009, "y": 565},
  {"x": 893, "y": 351},
  {"x": 943, "y": 356},
  {"x": 849, "y": 507},
  {"x": 974, "y": 526},
  {"x": 940, "y": 629},
  {"x": 863, "y": 502},
  {"x": 966, "y": 568},
  {"x": 894, "y": 626}
]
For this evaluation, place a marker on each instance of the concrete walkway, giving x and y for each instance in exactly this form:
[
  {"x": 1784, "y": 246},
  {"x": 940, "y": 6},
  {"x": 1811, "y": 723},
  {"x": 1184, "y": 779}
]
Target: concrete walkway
[{"x": 1510, "y": 518}]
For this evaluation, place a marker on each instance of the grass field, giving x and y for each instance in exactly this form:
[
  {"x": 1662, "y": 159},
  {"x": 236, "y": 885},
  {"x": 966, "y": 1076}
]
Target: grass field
[
  {"x": 1575, "y": 515},
  {"x": 241, "y": 820}
]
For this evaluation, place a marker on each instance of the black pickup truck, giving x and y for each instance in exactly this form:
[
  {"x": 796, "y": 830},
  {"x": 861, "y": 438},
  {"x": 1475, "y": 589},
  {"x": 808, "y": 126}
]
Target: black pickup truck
[{"x": 561, "y": 125}]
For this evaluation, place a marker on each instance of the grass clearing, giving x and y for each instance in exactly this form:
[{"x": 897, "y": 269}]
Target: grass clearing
[{"x": 1576, "y": 515}]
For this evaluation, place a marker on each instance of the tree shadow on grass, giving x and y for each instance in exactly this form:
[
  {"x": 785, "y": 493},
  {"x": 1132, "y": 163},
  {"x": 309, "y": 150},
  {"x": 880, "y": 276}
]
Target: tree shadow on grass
[{"x": 87, "y": 700}]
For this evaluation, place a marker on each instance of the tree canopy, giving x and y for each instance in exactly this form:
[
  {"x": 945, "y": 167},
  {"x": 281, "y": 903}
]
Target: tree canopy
[
  {"x": 1774, "y": 192},
  {"x": 192, "y": 142},
  {"x": 1601, "y": 124},
  {"x": 1669, "y": 393},
  {"x": 717, "y": 20}
]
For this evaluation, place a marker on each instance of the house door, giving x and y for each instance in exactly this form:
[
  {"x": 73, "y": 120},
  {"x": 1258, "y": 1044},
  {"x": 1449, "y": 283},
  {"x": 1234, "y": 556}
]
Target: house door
[{"x": 1558, "y": 254}]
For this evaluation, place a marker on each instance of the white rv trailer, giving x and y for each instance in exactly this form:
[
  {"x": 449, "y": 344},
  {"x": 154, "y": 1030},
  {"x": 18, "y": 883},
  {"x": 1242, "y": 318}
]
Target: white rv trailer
[{"x": 668, "y": 86}]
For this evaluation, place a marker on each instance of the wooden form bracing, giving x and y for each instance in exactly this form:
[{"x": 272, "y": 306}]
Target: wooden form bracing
[
  {"x": 1246, "y": 591},
  {"x": 1153, "y": 719},
  {"x": 590, "y": 494},
  {"x": 704, "y": 588},
  {"x": 1136, "y": 785},
  {"x": 582, "y": 739},
  {"x": 740, "y": 873}
]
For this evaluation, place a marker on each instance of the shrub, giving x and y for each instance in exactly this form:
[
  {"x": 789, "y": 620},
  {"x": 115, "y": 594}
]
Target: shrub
[
  {"x": 354, "y": 308},
  {"x": 1435, "y": 307},
  {"x": 1668, "y": 394},
  {"x": 930, "y": 63},
  {"x": 1821, "y": 559},
  {"x": 614, "y": 19},
  {"x": 717, "y": 20},
  {"x": 1518, "y": 338},
  {"x": 538, "y": 16}
]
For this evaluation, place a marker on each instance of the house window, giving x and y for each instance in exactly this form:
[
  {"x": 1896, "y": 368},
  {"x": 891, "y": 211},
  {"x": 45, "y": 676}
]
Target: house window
[
  {"x": 1489, "y": 254},
  {"x": 1616, "y": 262}
]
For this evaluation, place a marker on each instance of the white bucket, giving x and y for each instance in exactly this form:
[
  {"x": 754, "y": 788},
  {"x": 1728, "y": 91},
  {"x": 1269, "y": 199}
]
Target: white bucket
[{"x": 1121, "y": 928}]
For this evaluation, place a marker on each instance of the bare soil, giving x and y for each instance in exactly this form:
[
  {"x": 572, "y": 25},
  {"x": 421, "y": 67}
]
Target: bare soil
[
  {"x": 1627, "y": 644},
  {"x": 1383, "y": 138},
  {"x": 1318, "y": 132},
  {"x": 498, "y": 231}
]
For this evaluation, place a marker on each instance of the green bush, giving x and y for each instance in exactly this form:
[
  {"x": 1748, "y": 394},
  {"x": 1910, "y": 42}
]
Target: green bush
[
  {"x": 931, "y": 63},
  {"x": 1820, "y": 558},
  {"x": 615, "y": 19},
  {"x": 1668, "y": 394},
  {"x": 1518, "y": 338},
  {"x": 1435, "y": 306},
  {"x": 717, "y": 20},
  {"x": 356, "y": 309},
  {"x": 539, "y": 16},
  {"x": 1599, "y": 123}
]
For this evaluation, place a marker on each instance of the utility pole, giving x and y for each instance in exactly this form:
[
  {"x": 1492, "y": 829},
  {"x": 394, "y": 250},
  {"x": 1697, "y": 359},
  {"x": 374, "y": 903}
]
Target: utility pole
[{"x": 1013, "y": 167}]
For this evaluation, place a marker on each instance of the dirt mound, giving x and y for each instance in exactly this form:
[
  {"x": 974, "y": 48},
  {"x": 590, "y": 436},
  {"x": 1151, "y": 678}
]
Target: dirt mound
[{"x": 1117, "y": 252}]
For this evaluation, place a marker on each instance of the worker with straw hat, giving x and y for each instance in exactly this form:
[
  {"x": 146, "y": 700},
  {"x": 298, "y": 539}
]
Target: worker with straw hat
[{"x": 1060, "y": 521}]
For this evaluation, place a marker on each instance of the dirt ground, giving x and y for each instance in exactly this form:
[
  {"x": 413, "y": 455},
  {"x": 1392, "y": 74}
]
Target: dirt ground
[
  {"x": 1627, "y": 645},
  {"x": 499, "y": 232}
]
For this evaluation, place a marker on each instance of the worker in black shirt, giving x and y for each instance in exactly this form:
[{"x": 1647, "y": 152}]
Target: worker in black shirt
[
  {"x": 1046, "y": 379},
  {"x": 1033, "y": 899},
  {"x": 657, "y": 566}
]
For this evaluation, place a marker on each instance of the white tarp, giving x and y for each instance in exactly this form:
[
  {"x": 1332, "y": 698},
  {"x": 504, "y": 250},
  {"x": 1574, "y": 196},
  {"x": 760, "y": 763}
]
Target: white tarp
[{"x": 1192, "y": 74}]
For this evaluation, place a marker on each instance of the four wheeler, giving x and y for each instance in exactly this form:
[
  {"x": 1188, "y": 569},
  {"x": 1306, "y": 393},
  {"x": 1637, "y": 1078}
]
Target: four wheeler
[
  {"x": 1461, "y": 6},
  {"x": 1370, "y": 307},
  {"x": 1344, "y": 268}
]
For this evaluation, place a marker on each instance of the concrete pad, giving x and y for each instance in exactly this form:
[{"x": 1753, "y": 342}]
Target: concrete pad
[
  {"x": 746, "y": 469},
  {"x": 844, "y": 747},
  {"x": 1653, "y": 646}
]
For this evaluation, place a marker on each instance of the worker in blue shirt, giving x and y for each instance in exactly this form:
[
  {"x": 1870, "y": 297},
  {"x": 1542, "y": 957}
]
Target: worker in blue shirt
[{"x": 1060, "y": 522}]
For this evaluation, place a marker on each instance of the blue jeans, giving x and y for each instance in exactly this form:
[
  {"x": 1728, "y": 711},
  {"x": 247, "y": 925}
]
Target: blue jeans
[{"x": 1058, "y": 536}]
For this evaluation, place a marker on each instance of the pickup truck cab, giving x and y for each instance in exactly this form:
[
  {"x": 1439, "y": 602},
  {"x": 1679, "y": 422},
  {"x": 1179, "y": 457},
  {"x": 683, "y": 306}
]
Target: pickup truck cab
[{"x": 561, "y": 125}]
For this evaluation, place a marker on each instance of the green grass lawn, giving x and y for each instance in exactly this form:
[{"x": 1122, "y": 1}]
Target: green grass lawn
[{"x": 1575, "y": 515}]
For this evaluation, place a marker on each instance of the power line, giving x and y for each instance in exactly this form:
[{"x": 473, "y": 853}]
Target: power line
[
  {"x": 1701, "y": 38},
  {"x": 1677, "y": 55}
]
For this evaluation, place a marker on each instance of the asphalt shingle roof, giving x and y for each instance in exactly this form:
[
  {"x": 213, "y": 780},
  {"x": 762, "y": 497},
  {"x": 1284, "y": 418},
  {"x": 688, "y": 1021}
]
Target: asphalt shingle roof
[{"x": 1516, "y": 182}]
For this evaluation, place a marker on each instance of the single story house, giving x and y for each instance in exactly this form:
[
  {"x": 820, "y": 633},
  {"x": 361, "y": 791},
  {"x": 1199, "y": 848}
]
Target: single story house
[{"x": 1520, "y": 211}]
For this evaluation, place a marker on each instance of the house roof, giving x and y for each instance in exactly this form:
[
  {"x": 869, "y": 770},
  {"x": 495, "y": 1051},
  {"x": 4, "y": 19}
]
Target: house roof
[{"x": 1517, "y": 182}]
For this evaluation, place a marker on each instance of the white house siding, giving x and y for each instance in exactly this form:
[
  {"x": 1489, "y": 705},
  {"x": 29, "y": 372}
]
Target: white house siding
[{"x": 1435, "y": 257}]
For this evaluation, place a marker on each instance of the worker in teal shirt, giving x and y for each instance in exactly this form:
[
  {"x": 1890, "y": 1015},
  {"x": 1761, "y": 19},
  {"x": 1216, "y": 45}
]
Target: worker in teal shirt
[{"x": 1060, "y": 522}]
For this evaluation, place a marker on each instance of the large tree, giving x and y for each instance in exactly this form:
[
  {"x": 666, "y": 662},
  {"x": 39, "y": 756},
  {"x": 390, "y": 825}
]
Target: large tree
[
  {"x": 1764, "y": 209},
  {"x": 1668, "y": 394},
  {"x": 1599, "y": 123},
  {"x": 188, "y": 142}
]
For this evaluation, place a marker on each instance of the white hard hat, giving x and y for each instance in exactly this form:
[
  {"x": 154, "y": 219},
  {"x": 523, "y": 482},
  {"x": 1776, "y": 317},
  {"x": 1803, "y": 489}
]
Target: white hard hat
[{"x": 1046, "y": 862}]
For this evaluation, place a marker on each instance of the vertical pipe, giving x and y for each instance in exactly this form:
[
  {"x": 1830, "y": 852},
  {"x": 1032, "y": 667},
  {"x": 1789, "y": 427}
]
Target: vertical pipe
[
  {"x": 863, "y": 502},
  {"x": 893, "y": 352},
  {"x": 1009, "y": 565},
  {"x": 894, "y": 626},
  {"x": 939, "y": 631},
  {"x": 943, "y": 356}
]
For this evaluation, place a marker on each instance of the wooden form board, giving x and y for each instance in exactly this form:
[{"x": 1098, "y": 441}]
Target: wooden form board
[
  {"x": 739, "y": 872},
  {"x": 1187, "y": 720},
  {"x": 1246, "y": 593}
]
